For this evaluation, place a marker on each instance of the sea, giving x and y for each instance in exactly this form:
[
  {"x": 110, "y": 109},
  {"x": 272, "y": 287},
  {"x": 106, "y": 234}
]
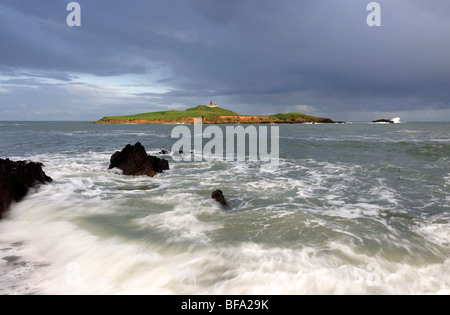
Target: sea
[{"x": 354, "y": 208}]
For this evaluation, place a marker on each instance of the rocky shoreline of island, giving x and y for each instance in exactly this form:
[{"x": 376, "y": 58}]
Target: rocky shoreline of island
[{"x": 212, "y": 115}]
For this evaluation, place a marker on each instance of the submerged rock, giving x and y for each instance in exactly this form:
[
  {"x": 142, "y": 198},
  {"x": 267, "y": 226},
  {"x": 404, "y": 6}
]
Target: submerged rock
[
  {"x": 133, "y": 160},
  {"x": 16, "y": 179},
  {"x": 219, "y": 197}
]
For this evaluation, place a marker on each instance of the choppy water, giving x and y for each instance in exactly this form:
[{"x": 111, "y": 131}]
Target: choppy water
[{"x": 353, "y": 209}]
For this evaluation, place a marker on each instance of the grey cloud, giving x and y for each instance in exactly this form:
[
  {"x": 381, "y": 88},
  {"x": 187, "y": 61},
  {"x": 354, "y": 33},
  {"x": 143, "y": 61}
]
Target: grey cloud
[{"x": 254, "y": 55}]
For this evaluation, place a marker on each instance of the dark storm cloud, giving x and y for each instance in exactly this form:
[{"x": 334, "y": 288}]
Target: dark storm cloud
[{"x": 256, "y": 55}]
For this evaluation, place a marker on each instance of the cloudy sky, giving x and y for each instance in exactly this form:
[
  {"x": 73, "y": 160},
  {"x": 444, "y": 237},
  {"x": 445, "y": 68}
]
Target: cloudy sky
[{"x": 252, "y": 56}]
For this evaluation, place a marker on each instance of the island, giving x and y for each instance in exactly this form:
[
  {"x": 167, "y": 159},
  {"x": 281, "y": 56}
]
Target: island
[{"x": 211, "y": 114}]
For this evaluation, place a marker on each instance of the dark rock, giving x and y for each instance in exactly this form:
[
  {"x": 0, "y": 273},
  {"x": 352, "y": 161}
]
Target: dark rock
[
  {"x": 219, "y": 197},
  {"x": 181, "y": 152},
  {"x": 133, "y": 160},
  {"x": 163, "y": 152},
  {"x": 383, "y": 121},
  {"x": 16, "y": 179}
]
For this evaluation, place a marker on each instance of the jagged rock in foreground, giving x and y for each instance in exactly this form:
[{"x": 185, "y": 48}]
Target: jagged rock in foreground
[
  {"x": 219, "y": 197},
  {"x": 16, "y": 179},
  {"x": 133, "y": 160}
]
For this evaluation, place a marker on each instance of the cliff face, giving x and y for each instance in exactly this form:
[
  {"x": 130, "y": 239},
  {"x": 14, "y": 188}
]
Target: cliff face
[{"x": 16, "y": 178}]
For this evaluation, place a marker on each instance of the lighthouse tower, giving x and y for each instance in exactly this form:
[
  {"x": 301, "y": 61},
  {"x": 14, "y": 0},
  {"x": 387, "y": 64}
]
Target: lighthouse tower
[{"x": 211, "y": 105}]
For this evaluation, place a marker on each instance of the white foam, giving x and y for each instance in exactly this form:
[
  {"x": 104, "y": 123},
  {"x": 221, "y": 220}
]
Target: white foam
[
  {"x": 102, "y": 263},
  {"x": 409, "y": 131},
  {"x": 18, "y": 265},
  {"x": 177, "y": 251},
  {"x": 437, "y": 233},
  {"x": 327, "y": 184},
  {"x": 111, "y": 265},
  {"x": 253, "y": 269},
  {"x": 182, "y": 223},
  {"x": 278, "y": 186}
]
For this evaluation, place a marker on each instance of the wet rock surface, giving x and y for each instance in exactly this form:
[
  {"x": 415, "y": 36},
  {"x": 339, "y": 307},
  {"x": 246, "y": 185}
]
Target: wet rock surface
[
  {"x": 134, "y": 160},
  {"x": 16, "y": 179}
]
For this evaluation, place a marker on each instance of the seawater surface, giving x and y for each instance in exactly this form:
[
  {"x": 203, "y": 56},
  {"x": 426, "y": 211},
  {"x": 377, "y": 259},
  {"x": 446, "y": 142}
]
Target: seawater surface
[{"x": 353, "y": 209}]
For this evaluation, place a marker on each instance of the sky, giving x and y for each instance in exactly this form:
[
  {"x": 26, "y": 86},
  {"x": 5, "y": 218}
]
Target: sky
[{"x": 262, "y": 57}]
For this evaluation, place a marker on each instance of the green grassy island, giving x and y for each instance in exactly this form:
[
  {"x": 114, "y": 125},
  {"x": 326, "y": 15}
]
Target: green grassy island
[{"x": 210, "y": 115}]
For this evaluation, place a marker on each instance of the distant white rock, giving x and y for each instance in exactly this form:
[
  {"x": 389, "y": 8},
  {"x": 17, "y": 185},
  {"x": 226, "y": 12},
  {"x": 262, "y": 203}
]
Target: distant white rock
[{"x": 396, "y": 120}]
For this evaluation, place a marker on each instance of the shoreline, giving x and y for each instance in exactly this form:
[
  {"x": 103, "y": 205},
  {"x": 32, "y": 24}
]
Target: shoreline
[
  {"x": 244, "y": 120},
  {"x": 211, "y": 115}
]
